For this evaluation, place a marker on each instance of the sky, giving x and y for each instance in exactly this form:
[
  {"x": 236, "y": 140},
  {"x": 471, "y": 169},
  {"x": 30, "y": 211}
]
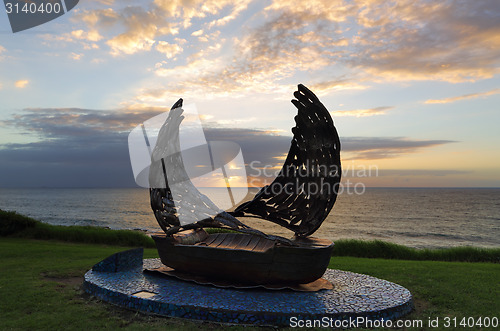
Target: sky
[{"x": 413, "y": 86}]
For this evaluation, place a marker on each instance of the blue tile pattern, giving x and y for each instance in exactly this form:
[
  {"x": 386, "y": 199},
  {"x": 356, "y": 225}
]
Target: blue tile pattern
[
  {"x": 122, "y": 261},
  {"x": 353, "y": 295}
]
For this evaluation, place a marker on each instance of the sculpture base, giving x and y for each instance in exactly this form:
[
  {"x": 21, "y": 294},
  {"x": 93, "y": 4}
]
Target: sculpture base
[{"x": 355, "y": 298}]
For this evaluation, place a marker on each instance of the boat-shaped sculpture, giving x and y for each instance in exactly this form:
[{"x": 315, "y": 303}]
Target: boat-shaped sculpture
[{"x": 299, "y": 199}]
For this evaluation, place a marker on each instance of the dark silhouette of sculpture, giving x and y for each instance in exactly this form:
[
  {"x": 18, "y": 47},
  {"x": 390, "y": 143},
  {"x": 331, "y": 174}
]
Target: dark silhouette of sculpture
[{"x": 299, "y": 199}]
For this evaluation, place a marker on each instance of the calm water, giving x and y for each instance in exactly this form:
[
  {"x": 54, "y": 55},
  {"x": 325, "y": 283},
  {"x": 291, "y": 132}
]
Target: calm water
[{"x": 413, "y": 217}]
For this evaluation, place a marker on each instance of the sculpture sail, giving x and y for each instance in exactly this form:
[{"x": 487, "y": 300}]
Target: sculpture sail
[
  {"x": 299, "y": 198},
  {"x": 306, "y": 188}
]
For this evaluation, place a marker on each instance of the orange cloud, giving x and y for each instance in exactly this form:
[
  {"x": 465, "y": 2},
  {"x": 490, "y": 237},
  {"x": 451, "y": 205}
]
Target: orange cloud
[
  {"x": 464, "y": 97},
  {"x": 170, "y": 50},
  {"x": 92, "y": 35},
  {"x": 76, "y": 56},
  {"x": 336, "y": 85},
  {"x": 238, "y": 7},
  {"x": 362, "y": 112},
  {"x": 197, "y": 33},
  {"x": 371, "y": 40},
  {"x": 412, "y": 40},
  {"x": 189, "y": 9},
  {"x": 144, "y": 26},
  {"x": 21, "y": 83},
  {"x": 372, "y": 148},
  {"x": 332, "y": 10},
  {"x": 258, "y": 61}
]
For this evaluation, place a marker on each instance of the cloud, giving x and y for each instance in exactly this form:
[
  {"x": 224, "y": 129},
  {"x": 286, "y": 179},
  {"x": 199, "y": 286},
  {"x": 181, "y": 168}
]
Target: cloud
[
  {"x": 323, "y": 87},
  {"x": 371, "y": 148},
  {"x": 76, "y": 56},
  {"x": 368, "y": 41},
  {"x": 141, "y": 26},
  {"x": 327, "y": 44},
  {"x": 330, "y": 10},
  {"x": 141, "y": 29},
  {"x": 362, "y": 112},
  {"x": 21, "y": 83},
  {"x": 421, "y": 172},
  {"x": 170, "y": 50},
  {"x": 464, "y": 97},
  {"x": 197, "y": 33},
  {"x": 92, "y": 35},
  {"x": 416, "y": 40},
  {"x": 74, "y": 148},
  {"x": 238, "y": 7},
  {"x": 98, "y": 18},
  {"x": 261, "y": 59},
  {"x": 71, "y": 123},
  {"x": 189, "y": 9},
  {"x": 391, "y": 40},
  {"x": 87, "y": 40}
]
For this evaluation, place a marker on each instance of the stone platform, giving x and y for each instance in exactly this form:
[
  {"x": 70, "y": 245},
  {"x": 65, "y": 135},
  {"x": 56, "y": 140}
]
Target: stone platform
[{"x": 120, "y": 280}]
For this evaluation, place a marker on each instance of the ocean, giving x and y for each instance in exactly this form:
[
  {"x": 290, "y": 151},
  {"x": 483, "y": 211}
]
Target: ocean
[{"x": 415, "y": 217}]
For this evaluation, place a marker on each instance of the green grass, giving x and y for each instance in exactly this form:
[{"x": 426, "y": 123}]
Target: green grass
[
  {"x": 40, "y": 288},
  {"x": 385, "y": 250},
  {"x": 455, "y": 289}
]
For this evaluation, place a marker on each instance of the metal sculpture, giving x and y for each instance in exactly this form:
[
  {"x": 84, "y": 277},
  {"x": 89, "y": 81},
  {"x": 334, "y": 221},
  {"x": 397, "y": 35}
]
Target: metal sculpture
[{"x": 299, "y": 199}]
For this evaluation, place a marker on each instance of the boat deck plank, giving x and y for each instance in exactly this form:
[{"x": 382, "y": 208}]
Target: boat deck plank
[
  {"x": 218, "y": 240},
  {"x": 263, "y": 245},
  {"x": 208, "y": 240},
  {"x": 245, "y": 241},
  {"x": 232, "y": 242},
  {"x": 252, "y": 243}
]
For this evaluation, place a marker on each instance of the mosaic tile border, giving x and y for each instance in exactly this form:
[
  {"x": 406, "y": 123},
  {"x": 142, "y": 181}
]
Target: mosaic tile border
[{"x": 120, "y": 280}]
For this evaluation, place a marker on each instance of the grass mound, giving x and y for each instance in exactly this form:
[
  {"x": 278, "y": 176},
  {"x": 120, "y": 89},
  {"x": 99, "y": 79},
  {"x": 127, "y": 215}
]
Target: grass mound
[
  {"x": 386, "y": 250},
  {"x": 12, "y": 222}
]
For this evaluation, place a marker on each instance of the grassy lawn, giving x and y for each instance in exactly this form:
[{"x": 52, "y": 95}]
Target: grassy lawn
[
  {"x": 440, "y": 289},
  {"x": 40, "y": 287}
]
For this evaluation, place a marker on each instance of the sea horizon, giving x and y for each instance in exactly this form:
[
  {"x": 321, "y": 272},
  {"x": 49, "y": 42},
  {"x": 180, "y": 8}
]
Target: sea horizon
[{"x": 417, "y": 217}]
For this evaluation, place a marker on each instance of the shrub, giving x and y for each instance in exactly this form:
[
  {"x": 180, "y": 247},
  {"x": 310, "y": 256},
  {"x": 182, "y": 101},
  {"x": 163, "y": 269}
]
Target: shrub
[{"x": 12, "y": 222}]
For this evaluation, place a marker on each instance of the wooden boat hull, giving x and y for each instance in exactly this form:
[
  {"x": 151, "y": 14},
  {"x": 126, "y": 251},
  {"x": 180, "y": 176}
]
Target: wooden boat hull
[{"x": 247, "y": 259}]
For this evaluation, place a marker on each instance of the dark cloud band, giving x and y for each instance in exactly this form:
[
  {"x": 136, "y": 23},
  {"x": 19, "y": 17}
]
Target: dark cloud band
[{"x": 79, "y": 147}]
